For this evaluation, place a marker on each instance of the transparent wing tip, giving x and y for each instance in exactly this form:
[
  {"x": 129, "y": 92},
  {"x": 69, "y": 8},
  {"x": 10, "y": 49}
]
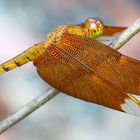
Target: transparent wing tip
[{"x": 131, "y": 106}]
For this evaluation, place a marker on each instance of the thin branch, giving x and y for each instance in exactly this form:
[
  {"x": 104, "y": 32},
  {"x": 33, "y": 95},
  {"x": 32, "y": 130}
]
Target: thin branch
[
  {"x": 28, "y": 109},
  {"x": 126, "y": 35},
  {"x": 49, "y": 94}
]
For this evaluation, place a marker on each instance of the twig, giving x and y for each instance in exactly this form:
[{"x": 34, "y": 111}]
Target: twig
[
  {"x": 126, "y": 35},
  {"x": 49, "y": 94},
  {"x": 28, "y": 109}
]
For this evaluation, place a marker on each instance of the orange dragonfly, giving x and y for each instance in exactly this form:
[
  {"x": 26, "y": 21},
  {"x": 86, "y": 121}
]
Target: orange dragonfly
[{"x": 74, "y": 62}]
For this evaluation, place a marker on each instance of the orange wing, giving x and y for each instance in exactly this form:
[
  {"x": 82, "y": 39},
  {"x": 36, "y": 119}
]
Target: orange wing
[
  {"x": 73, "y": 66},
  {"x": 110, "y": 30},
  {"x": 119, "y": 69}
]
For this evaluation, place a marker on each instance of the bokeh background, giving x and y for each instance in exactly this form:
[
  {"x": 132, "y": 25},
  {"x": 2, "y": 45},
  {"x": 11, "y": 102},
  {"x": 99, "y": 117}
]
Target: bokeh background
[{"x": 25, "y": 22}]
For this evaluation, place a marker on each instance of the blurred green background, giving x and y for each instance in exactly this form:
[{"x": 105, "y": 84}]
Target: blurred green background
[{"x": 26, "y": 22}]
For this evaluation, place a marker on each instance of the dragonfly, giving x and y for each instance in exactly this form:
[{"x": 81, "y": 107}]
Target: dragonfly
[{"x": 72, "y": 60}]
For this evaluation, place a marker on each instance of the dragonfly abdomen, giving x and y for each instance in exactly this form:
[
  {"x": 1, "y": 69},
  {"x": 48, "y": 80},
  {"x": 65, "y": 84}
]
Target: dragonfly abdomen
[{"x": 23, "y": 58}]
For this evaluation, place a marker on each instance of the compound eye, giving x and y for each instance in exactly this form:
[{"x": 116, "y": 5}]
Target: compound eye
[
  {"x": 99, "y": 23},
  {"x": 93, "y": 25}
]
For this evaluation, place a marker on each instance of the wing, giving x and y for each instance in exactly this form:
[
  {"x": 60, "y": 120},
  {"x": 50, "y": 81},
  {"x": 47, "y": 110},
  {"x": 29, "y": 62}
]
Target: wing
[
  {"x": 110, "y": 30},
  {"x": 121, "y": 70},
  {"x": 63, "y": 67}
]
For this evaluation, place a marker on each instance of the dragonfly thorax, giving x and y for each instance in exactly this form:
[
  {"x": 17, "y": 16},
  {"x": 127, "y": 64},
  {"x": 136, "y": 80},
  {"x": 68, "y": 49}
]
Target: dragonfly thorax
[
  {"x": 92, "y": 28},
  {"x": 55, "y": 35}
]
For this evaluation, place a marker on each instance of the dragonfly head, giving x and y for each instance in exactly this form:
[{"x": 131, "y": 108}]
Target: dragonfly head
[{"x": 92, "y": 27}]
